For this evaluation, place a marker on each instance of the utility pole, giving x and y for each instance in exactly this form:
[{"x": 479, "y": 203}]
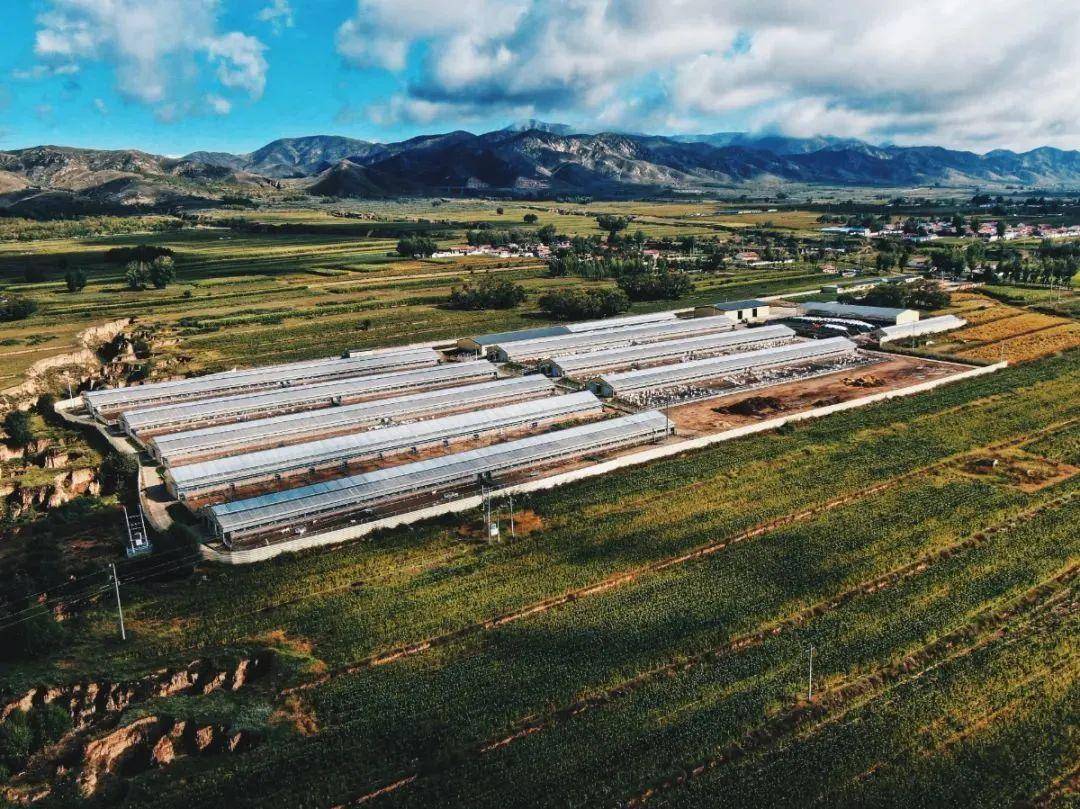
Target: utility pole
[
  {"x": 119, "y": 608},
  {"x": 513, "y": 532},
  {"x": 810, "y": 686}
]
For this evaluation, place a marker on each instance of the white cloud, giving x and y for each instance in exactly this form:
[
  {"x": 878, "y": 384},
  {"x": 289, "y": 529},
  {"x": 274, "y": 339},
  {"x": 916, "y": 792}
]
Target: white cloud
[
  {"x": 100, "y": 106},
  {"x": 218, "y": 105},
  {"x": 925, "y": 70},
  {"x": 279, "y": 14},
  {"x": 155, "y": 46}
]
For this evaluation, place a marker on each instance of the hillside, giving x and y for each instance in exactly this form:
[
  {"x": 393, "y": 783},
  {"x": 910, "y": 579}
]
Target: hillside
[{"x": 527, "y": 159}]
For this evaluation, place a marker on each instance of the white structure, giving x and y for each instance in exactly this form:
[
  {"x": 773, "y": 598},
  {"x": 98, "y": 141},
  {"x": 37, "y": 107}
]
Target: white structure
[
  {"x": 876, "y": 314},
  {"x": 483, "y": 343},
  {"x": 746, "y": 311},
  {"x": 917, "y": 328}
]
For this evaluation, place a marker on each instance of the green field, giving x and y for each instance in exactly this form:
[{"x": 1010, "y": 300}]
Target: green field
[{"x": 647, "y": 641}]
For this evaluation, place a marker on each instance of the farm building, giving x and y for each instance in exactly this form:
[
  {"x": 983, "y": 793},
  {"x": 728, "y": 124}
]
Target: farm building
[
  {"x": 282, "y": 462},
  {"x": 667, "y": 376},
  {"x": 104, "y": 404},
  {"x": 875, "y": 314},
  {"x": 174, "y": 449},
  {"x": 483, "y": 343},
  {"x": 532, "y": 350},
  {"x": 747, "y": 311},
  {"x": 666, "y": 351},
  {"x": 917, "y": 328},
  {"x": 291, "y": 510},
  {"x": 862, "y": 284},
  {"x": 188, "y": 415}
]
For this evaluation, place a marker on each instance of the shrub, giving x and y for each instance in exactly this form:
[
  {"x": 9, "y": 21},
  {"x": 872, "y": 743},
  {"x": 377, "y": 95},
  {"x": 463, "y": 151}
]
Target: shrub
[
  {"x": 489, "y": 293},
  {"x": 17, "y": 426},
  {"x": 584, "y": 304},
  {"x": 15, "y": 307},
  {"x": 530, "y": 218},
  {"x": 75, "y": 280}
]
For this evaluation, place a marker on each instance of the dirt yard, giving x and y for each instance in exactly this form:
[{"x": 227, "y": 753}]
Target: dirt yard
[{"x": 734, "y": 410}]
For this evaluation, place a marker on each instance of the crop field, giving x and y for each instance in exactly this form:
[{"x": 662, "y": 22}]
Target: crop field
[
  {"x": 661, "y": 656},
  {"x": 645, "y": 638}
]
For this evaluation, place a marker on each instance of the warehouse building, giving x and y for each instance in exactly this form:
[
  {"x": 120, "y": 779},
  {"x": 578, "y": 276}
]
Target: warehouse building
[
  {"x": 532, "y": 350},
  {"x": 690, "y": 348},
  {"x": 290, "y": 511},
  {"x": 276, "y": 465},
  {"x": 875, "y": 314},
  {"x": 746, "y": 311},
  {"x": 174, "y": 449},
  {"x": 105, "y": 404},
  {"x": 667, "y": 376},
  {"x": 484, "y": 343},
  {"x": 144, "y": 423},
  {"x": 918, "y": 328}
]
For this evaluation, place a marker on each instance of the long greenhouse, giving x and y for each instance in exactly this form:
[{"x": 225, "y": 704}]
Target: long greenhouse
[
  {"x": 188, "y": 415},
  {"x": 293, "y": 509},
  {"x": 482, "y": 343},
  {"x": 667, "y": 350},
  {"x": 337, "y": 453},
  {"x": 667, "y": 376},
  {"x": 918, "y": 328},
  {"x": 103, "y": 404},
  {"x": 173, "y": 449},
  {"x": 531, "y": 350}
]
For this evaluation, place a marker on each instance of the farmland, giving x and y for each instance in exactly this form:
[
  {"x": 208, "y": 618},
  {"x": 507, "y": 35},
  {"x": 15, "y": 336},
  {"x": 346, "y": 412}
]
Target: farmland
[{"x": 644, "y": 639}]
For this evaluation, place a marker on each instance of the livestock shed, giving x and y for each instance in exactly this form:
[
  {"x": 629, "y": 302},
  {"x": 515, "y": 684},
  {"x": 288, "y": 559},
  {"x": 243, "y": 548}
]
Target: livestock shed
[
  {"x": 532, "y": 350},
  {"x": 484, "y": 343},
  {"x": 173, "y": 449},
  {"x": 336, "y": 453},
  {"x": 917, "y": 328},
  {"x": 188, "y": 415},
  {"x": 862, "y": 284},
  {"x": 290, "y": 511},
  {"x": 745, "y": 311},
  {"x": 667, "y": 376},
  {"x": 876, "y": 314},
  {"x": 107, "y": 402},
  {"x": 667, "y": 350}
]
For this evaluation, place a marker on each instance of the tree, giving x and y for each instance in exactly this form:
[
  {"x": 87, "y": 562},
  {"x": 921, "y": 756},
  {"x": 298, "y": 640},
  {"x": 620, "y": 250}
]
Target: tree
[
  {"x": 15, "y": 307},
  {"x": 663, "y": 285},
  {"x": 1001, "y": 228},
  {"x": 162, "y": 272},
  {"x": 612, "y": 224},
  {"x": 530, "y": 218},
  {"x": 490, "y": 292},
  {"x": 958, "y": 224},
  {"x": 137, "y": 275},
  {"x": 17, "y": 426},
  {"x": 118, "y": 470},
  {"x": 499, "y": 211},
  {"x": 546, "y": 234},
  {"x": 75, "y": 280},
  {"x": 926, "y": 294},
  {"x": 416, "y": 246}
]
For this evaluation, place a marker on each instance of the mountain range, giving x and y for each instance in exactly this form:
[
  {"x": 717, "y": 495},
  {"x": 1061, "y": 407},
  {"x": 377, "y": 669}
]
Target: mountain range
[{"x": 529, "y": 159}]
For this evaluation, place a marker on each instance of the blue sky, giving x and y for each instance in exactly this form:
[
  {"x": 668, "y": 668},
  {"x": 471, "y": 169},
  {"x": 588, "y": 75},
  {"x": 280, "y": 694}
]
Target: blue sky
[{"x": 173, "y": 76}]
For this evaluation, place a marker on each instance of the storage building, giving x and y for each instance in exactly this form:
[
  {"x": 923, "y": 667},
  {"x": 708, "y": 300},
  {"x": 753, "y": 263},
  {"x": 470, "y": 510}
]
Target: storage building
[
  {"x": 290, "y": 511},
  {"x": 266, "y": 466},
  {"x": 917, "y": 328},
  {"x": 668, "y": 376},
  {"x": 875, "y": 314},
  {"x": 667, "y": 351},
  {"x": 190, "y": 446},
  {"x": 747, "y": 311},
  {"x": 105, "y": 404},
  {"x": 148, "y": 421}
]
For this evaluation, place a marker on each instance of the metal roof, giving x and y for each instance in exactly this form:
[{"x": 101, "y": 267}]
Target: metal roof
[
  {"x": 248, "y": 405},
  {"x": 271, "y": 376},
  {"x": 930, "y": 325},
  {"x": 172, "y": 448},
  {"x": 566, "y": 328},
  {"x": 592, "y": 340},
  {"x": 681, "y": 373},
  {"x": 627, "y": 355},
  {"x": 329, "y": 452},
  {"x": 349, "y": 494},
  {"x": 731, "y": 306},
  {"x": 851, "y": 310}
]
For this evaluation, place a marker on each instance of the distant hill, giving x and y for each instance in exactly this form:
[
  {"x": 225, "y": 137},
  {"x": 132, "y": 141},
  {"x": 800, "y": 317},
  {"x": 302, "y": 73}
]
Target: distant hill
[{"x": 531, "y": 158}]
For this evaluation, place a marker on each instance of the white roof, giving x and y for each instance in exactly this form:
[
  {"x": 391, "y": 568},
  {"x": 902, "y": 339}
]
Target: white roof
[
  {"x": 930, "y": 325},
  {"x": 852, "y": 310}
]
